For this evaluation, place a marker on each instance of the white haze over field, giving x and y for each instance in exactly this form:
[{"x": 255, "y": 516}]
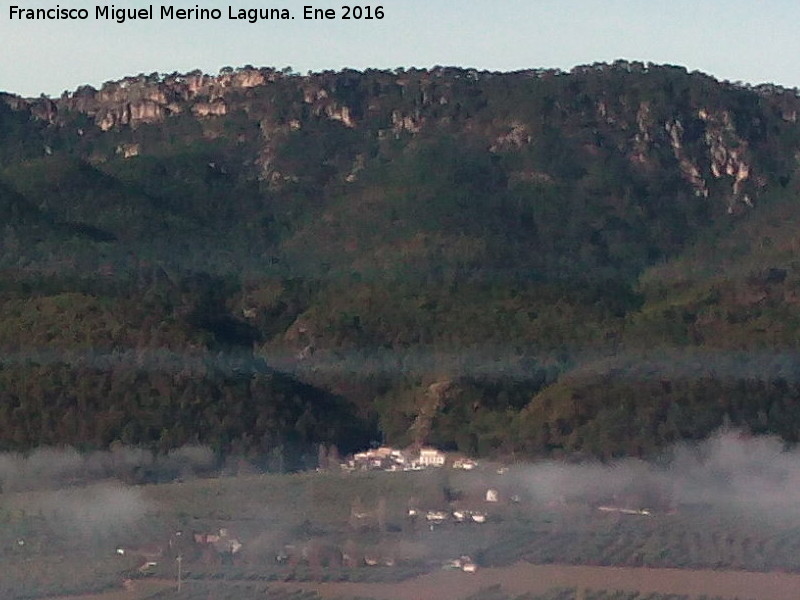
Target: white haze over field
[
  {"x": 88, "y": 497},
  {"x": 730, "y": 469},
  {"x": 88, "y": 511},
  {"x": 53, "y": 468}
]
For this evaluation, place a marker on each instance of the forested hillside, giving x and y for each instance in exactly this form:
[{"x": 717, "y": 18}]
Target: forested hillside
[{"x": 601, "y": 261}]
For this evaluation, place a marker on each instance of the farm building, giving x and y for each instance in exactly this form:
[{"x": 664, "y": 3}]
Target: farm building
[{"x": 223, "y": 542}]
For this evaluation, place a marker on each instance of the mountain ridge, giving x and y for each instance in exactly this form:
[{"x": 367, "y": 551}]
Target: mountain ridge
[{"x": 341, "y": 225}]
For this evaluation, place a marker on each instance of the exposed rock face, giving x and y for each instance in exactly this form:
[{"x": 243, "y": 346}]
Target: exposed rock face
[
  {"x": 697, "y": 142},
  {"x": 44, "y": 109},
  {"x": 273, "y": 135},
  {"x": 128, "y": 150},
  {"x": 151, "y": 99},
  {"x": 689, "y": 169},
  {"x": 642, "y": 140},
  {"x": 197, "y": 83},
  {"x": 311, "y": 95},
  {"x": 340, "y": 113},
  {"x": 728, "y": 155},
  {"x": 517, "y": 137},
  {"x": 14, "y": 102},
  {"x": 243, "y": 79},
  {"x": 146, "y": 111},
  {"x": 406, "y": 123},
  {"x": 216, "y": 108}
]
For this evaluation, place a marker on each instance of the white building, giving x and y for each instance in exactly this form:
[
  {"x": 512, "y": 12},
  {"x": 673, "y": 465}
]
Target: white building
[{"x": 431, "y": 457}]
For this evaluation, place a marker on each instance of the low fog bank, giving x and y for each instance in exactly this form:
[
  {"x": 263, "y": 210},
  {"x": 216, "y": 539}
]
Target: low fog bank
[
  {"x": 88, "y": 512},
  {"x": 53, "y": 468},
  {"x": 730, "y": 469}
]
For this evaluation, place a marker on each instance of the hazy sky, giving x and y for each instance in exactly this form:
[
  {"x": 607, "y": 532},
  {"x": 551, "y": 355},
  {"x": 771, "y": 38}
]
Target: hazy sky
[{"x": 748, "y": 40}]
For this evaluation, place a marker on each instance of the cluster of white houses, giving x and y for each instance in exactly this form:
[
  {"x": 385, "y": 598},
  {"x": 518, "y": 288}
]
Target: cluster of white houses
[
  {"x": 392, "y": 459},
  {"x": 438, "y": 517},
  {"x": 465, "y": 563}
]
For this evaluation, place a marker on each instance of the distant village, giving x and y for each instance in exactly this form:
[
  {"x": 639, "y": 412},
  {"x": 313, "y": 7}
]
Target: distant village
[
  {"x": 473, "y": 511},
  {"x": 223, "y": 545},
  {"x": 390, "y": 459}
]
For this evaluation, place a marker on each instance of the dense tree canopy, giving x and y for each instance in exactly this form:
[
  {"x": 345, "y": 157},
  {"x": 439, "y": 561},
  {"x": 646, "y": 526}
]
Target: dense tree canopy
[{"x": 600, "y": 261}]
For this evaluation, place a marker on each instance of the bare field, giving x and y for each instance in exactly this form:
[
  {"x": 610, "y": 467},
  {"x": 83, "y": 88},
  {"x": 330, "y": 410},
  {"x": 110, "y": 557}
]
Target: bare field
[
  {"x": 517, "y": 580},
  {"x": 526, "y": 578},
  {"x": 138, "y": 590}
]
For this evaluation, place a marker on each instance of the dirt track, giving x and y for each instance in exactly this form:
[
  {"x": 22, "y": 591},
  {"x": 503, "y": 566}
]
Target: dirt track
[{"x": 522, "y": 578}]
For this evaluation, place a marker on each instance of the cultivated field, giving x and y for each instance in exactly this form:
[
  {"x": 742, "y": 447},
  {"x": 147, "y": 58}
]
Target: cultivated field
[{"x": 350, "y": 534}]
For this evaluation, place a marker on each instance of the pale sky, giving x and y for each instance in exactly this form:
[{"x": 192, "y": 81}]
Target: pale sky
[{"x": 739, "y": 40}]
